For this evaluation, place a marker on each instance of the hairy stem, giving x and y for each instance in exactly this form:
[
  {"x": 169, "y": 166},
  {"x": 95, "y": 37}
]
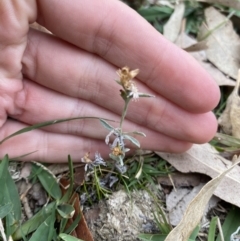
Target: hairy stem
[{"x": 124, "y": 111}]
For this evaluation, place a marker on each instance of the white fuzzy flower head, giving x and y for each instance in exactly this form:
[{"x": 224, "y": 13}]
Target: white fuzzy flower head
[{"x": 133, "y": 91}]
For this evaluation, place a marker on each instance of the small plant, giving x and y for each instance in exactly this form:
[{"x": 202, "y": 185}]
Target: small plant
[
  {"x": 42, "y": 226},
  {"x": 118, "y": 146}
]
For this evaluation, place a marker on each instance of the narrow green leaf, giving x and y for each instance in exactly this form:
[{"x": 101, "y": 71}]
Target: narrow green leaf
[
  {"x": 47, "y": 179},
  {"x": 148, "y": 169},
  {"x": 33, "y": 223},
  {"x": 67, "y": 237},
  {"x": 69, "y": 192},
  {"x": 47, "y": 123},
  {"x": 106, "y": 125},
  {"x": 66, "y": 210},
  {"x": 212, "y": 229},
  {"x": 194, "y": 234},
  {"x": 46, "y": 230},
  {"x": 139, "y": 133},
  {"x": 145, "y": 95},
  {"x": 231, "y": 223},
  {"x": 63, "y": 224},
  {"x": 5, "y": 210},
  {"x": 155, "y": 12},
  {"x": 133, "y": 140},
  {"x": 73, "y": 225},
  {"x": 152, "y": 237},
  {"x": 161, "y": 221},
  {"x": 20, "y": 157},
  {"x": 227, "y": 140}
]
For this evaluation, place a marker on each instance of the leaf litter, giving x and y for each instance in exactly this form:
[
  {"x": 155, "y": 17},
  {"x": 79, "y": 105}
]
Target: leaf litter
[
  {"x": 229, "y": 121},
  {"x": 203, "y": 51},
  {"x": 196, "y": 209},
  {"x": 222, "y": 40}
]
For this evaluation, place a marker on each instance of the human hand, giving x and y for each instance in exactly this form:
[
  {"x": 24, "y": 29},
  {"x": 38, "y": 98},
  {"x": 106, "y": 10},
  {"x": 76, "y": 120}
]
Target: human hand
[{"x": 46, "y": 77}]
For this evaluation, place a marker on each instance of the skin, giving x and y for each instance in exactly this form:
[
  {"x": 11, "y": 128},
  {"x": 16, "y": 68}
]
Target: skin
[{"x": 45, "y": 77}]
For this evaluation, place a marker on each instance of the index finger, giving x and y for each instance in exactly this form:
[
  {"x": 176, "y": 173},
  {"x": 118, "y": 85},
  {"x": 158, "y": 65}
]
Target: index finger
[{"x": 119, "y": 35}]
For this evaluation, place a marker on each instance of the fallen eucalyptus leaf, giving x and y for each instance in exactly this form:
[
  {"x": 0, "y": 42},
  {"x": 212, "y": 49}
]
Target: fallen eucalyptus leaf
[
  {"x": 230, "y": 118},
  {"x": 178, "y": 200},
  {"x": 196, "y": 208},
  {"x": 185, "y": 41},
  {"x": 223, "y": 42},
  {"x": 202, "y": 45},
  {"x": 172, "y": 28},
  {"x": 229, "y": 3},
  {"x": 220, "y": 78},
  {"x": 205, "y": 159},
  {"x": 188, "y": 44},
  {"x": 179, "y": 179}
]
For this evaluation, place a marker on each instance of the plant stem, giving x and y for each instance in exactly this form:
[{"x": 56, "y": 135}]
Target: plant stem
[{"x": 124, "y": 111}]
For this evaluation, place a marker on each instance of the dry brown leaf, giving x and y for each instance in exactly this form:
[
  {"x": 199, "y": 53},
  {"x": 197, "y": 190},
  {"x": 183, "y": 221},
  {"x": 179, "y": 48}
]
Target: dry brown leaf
[
  {"x": 202, "y": 45},
  {"x": 172, "y": 28},
  {"x": 196, "y": 209},
  {"x": 82, "y": 231},
  {"x": 223, "y": 42},
  {"x": 79, "y": 175},
  {"x": 178, "y": 200},
  {"x": 230, "y": 118},
  {"x": 179, "y": 179},
  {"x": 220, "y": 78},
  {"x": 229, "y": 3},
  {"x": 184, "y": 41},
  {"x": 206, "y": 160}
]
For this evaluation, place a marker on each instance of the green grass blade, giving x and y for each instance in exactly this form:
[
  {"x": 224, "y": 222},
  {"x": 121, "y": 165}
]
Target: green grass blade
[
  {"x": 20, "y": 157},
  {"x": 47, "y": 179},
  {"x": 152, "y": 237},
  {"x": 67, "y": 237},
  {"x": 227, "y": 140},
  {"x": 212, "y": 229},
  {"x": 194, "y": 234},
  {"x": 73, "y": 225},
  {"x": 155, "y": 12},
  {"x": 231, "y": 223},
  {"x": 47, "y": 123},
  {"x": 62, "y": 225},
  {"x": 69, "y": 192},
  {"x": 211, "y": 31}
]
